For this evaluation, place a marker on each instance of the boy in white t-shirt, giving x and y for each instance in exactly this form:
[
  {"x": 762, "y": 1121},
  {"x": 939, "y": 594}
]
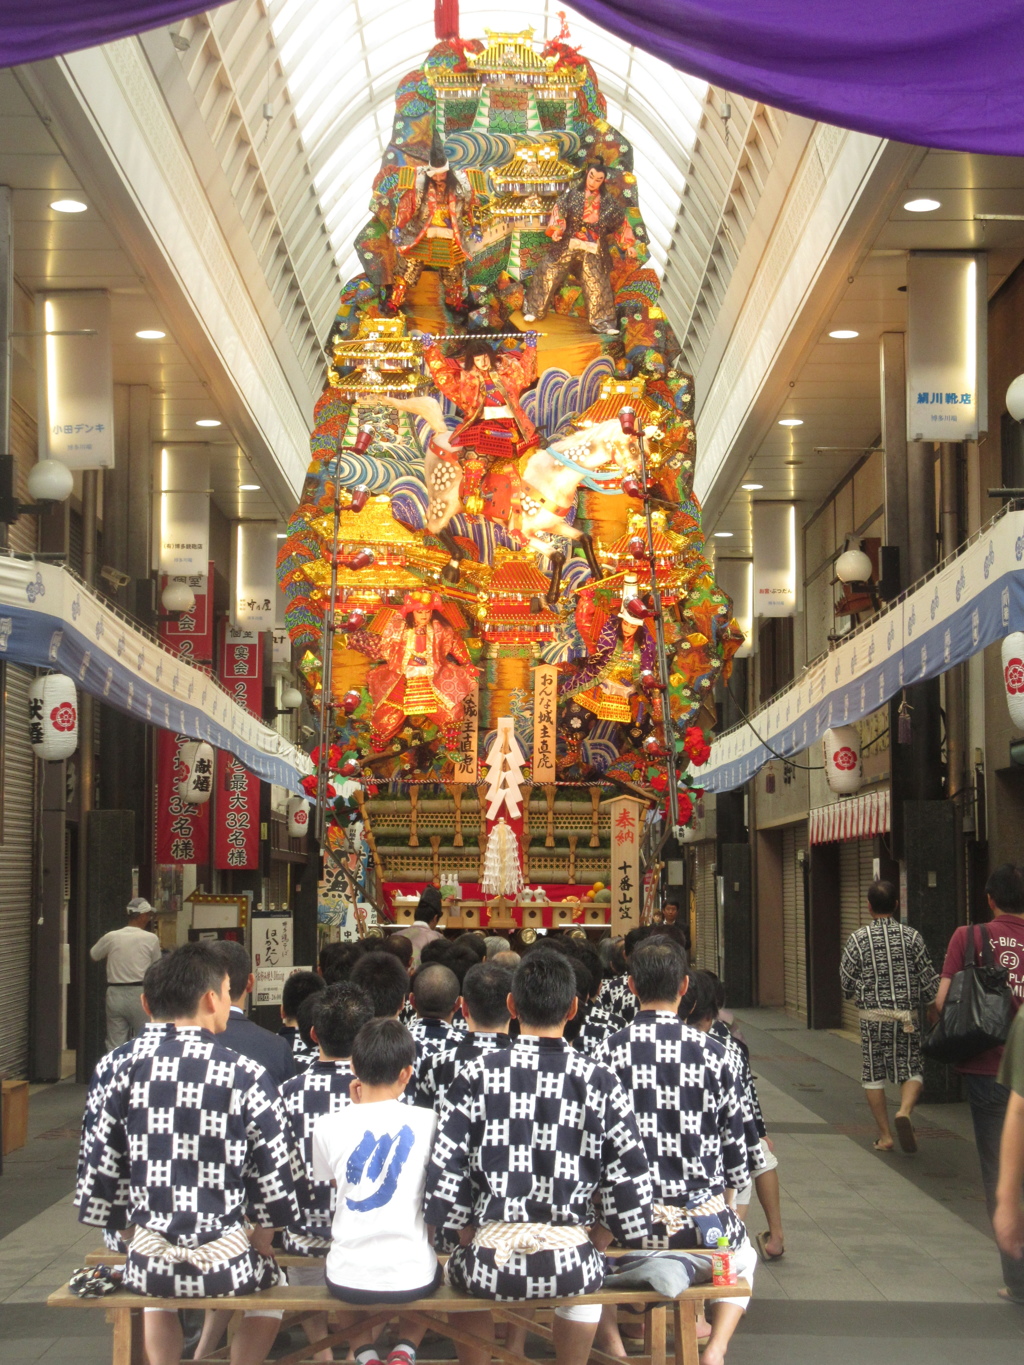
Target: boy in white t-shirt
[{"x": 376, "y": 1153}]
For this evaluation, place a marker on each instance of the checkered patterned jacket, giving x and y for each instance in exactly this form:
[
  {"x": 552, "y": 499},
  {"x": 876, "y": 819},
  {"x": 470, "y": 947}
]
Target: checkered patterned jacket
[
  {"x": 190, "y": 1141},
  {"x": 322, "y": 1089},
  {"x": 698, "y": 1139},
  {"x": 107, "y": 1068},
  {"x": 442, "y": 1068},
  {"x": 431, "y": 1036},
  {"x": 885, "y": 965},
  {"x": 740, "y": 1063},
  {"x": 305, "y": 1054},
  {"x": 598, "y": 1026},
  {"x": 532, "y": 1135},
  {"x": 616, "y": 997}
]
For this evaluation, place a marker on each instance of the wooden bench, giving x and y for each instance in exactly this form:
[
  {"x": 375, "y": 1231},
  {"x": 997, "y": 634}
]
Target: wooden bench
[{"x": 436, "y": 1313}]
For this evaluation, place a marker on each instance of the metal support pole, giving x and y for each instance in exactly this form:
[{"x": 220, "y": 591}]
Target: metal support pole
[
  {"x": 956, "y": 719},
  {"x": 86, "y": 776},
  {"x": 327, "y": 667},
  {"x": 6, "y": 325}
]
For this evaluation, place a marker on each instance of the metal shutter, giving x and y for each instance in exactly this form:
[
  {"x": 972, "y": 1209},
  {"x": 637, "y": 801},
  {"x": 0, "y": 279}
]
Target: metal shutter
[
  {"x": 856, "y": 861},
  {"x": 794, "y": 930},
  {"x": 706, "y": 947},
  {"x": 16, "y": 869}
]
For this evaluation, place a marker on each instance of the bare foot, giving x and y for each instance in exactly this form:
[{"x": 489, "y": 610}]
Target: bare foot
[
  {"x": 883, "y": 1144},
  {"x": 774, "y": 1246},
  {"x": 712, "y": 1354}
]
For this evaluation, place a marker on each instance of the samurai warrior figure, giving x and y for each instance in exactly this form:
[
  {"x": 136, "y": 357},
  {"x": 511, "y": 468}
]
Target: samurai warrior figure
[
  {"x": 433, "y": 223},
  {"x": 608, "y": 682},
  {"x": 585, "y": 222}
]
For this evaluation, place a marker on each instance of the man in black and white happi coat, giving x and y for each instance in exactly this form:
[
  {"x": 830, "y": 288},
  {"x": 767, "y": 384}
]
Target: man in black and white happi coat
[
  {"x": 485, "y": 992},
  {"x": 194, "y": 1144},
  {"x": 534, "y": 1145},
  {"x": 700, "y": 1137}
]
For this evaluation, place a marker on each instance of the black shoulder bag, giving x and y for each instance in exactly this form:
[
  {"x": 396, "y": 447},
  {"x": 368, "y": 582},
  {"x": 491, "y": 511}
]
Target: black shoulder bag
[{"x": 978, "y": 1010}]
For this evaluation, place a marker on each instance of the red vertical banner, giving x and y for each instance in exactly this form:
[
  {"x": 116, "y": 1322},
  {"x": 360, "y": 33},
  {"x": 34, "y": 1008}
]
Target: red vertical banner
[
  {"x": 240, "y": 668},
  {"x": 182, "y": 830}
]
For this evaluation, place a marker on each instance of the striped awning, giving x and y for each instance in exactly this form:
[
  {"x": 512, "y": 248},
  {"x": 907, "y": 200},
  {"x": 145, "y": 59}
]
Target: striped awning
[{"x": 852, "y": 817}]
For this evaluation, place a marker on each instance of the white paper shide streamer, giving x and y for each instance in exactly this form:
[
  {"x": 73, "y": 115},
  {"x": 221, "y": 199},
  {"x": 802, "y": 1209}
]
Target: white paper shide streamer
[
  {"x": 503, "y": 778},
  {"x": 503, "y": 875}
]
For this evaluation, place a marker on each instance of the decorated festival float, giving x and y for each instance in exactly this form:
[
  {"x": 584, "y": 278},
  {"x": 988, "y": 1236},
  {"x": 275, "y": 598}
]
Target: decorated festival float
[{"x": 497, "y": 584}]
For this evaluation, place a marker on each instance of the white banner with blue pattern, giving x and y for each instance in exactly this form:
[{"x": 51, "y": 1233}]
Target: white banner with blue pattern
[
  {"x": 974, "y": 600},
  {"x": 50, "y": 620}
]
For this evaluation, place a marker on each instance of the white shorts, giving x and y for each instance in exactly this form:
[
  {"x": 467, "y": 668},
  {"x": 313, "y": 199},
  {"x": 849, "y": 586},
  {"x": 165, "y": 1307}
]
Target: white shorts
[
  {"x": 745, "y": 1259},
  {"x": 579, "y": 1312},
  {"x": 771, "y": 1161},
  {"x": 310, "y": 1276},
  {"x": 880, "y": 1085}
]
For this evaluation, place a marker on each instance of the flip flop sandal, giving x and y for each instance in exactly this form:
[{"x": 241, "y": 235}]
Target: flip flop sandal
[
  {"x": 905, "y": 1133},
  {"x": 762, "y": 1246},
  {"x": 880, "y": 1147}
]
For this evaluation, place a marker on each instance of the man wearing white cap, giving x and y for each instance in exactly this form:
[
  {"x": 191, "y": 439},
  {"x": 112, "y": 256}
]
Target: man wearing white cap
[{"x": 129, "y": 951}]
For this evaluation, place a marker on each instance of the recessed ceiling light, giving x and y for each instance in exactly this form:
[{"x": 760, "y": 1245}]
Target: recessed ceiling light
[
  {"x": 922, "y": 205},
  {"x": 150, "y": 334},
  {"x": 751, "y": 487},
  {"x": 723, "y": 535},
  {"x": 791, "y": 421},
  {"x": 248, "y": 487},
  {"x": 69, "y": 206},
  {"x": 843, "y": 334},
  {"x": 282, "y": 535},
  {"x": 208, "y": 422}
]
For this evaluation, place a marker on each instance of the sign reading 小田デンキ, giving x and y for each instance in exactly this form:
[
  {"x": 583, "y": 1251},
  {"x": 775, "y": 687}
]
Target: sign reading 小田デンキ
[{"x": 76, "y": 423}]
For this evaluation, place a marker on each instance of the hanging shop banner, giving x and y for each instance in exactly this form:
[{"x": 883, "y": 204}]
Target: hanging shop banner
[
  {"x": 736, "y": 577},
  {"x": 271, "y": 941},
  {"x": 254, "y": 575},
  {"x": 545, "y": 701},
  {"x": 182, "y": 829},
  {"x": 947, "y": 345},
  {"x": 77, "y": 398},
  {"x": 774, "y": 575},
  {"x": 466, "y": 769},
  {"x": 184, "y": 511},
  {"x": 626, "y": 831},
  {"x": 190, "y": 633},
  {"x": 973, "y": 600},
  {"x": 237, "y": 841}
]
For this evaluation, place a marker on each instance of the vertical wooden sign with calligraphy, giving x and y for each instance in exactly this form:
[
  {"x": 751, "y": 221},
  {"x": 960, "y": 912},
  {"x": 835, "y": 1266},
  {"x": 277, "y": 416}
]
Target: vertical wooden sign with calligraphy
[
  {"x": 627, "y": 825},
  {"x": 465, "y": 767},
  {"x": 545, "y": 704}
]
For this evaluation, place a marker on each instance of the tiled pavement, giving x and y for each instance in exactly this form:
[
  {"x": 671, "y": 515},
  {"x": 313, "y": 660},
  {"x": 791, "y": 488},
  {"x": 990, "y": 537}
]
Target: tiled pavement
[{"x": 888, "y": 1257}]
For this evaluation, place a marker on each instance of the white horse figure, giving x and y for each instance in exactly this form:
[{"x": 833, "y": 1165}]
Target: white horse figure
[{"x": 596, "y": 456}]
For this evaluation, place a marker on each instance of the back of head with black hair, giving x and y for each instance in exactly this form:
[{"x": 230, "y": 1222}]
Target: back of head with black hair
[
  {"x": 436, "y": 950},
  {"x": 698, "y": 1004},
  {"x": 635, "y": 937},
  {"x": 718, "y": 986},
  {"x": 237, "y": 964},
  {"x": 543, "y": 989},
  {"x": 336, "y": 961},
  {"x": 435, "y": 991},
  {"x": 188, "y": 973},
  {"x": 658, "y": 969},
  {"x": 1006, "y": 887},
  {"x": 460, "y": 959},
  {"x": 401, "y": 946},
  {"x": 296, "y": 988},
  {"x": 485, "y": 991},
  {"x": 474, "y": 941},
  {"x": 883, "y": 898},
  {"x": 429, "y": 907},
  {"x": 339, "y": 1013},
  {"x": 584, "y": 956},
  {"x": 614, "y": 956},
  {"x": 304, "y": 1017},
  {"x": 385, "y": 979},
  {"x": 381, "y": 1051}
]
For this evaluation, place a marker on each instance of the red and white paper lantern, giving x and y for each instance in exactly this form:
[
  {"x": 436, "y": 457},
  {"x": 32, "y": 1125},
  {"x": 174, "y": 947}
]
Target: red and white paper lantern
[
  {"x": 298, "y": 817},
  {"x": 842, "y": 759},
  {"x": 197, "y": 758},
  {"x": 1013, "y": 677},
  {"x": 53, "y": 717}
]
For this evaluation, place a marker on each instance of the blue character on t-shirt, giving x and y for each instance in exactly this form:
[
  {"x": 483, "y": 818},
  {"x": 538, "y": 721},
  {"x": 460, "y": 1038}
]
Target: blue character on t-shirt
[{"x": 379, "y": 1162}]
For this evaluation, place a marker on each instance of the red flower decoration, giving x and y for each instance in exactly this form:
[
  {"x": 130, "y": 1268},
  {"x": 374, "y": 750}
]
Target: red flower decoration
[
  {"x": 685, "y": 808},
  {"x": 64, "y": 717},
  {"x": 308, "y": 784},
  {"x": 695, "y": 746},
  {"x": 845, "y": 759},
  {"x": 1013, "y": 675}
]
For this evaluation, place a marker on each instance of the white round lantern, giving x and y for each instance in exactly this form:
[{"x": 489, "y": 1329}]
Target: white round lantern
[
  {"x": 298, "y": 817},
  {"x": 50, "y": 481},
  {"x": 853, "y": 566},
  {"x": 291, "y": 698},
  {"x": 842, "y": 759},
  {"x": 198, "y": 759},
  {"x": 177, "y": 596},
  {"x": 53, "y": 717},
  {"x": 1015, "y": 399},
  {"x": 1013, "y": 677}
]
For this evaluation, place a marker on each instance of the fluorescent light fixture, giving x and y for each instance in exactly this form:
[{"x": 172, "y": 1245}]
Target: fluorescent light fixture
[
  {"x": 69, "y": 206},
  {"x": 922, "y": 205},
  {"x": 282, "y": 535},
  {"x": 751, "y": 487},
  {"x": 208, "y": 422},
  {"x": 248, "y": 488},
  {"x": 843, "y": 334},
  {"x": 791, "y": 421},
  {"x": 723, "y": 535},
  {"x": 150, "y": 334}
]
